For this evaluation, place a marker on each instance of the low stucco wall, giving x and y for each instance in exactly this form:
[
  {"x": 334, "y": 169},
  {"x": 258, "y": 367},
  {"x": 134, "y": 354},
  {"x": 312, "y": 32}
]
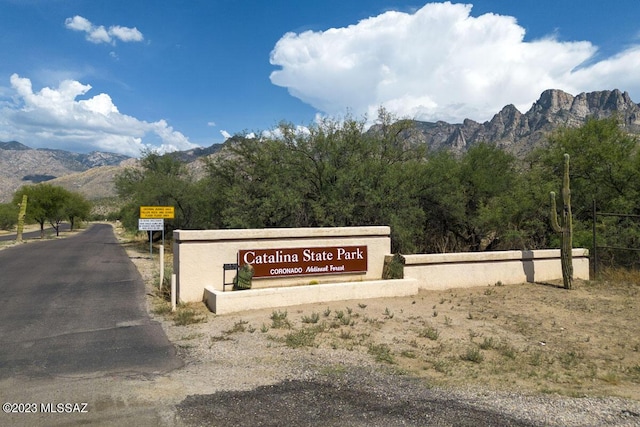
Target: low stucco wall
[
  {"x": 199, "y": 255},
  {"x": 427, "y": 271},
  {"x": 231, "y": 302},
  {"x": 461, "y": 270}
]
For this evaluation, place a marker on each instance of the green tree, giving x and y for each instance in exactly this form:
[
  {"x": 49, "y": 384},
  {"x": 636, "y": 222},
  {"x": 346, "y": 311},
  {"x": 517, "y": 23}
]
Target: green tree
[
  {"x": 605, "y": 167},
  {"x": 252, "y": 185},
  {"x": 441, "y": 199},
  {"x": 75, "y": 208},
  {"x": 488, "y": 176},
  {"x": 339, "y": 173},
  {"x": 159, "y": 180},
  {"x": 389, "y": 173},
  {"x": 8, "y": 216},
  {"x": 46, "y": 204},
  {"x": 333, "y": 173}
]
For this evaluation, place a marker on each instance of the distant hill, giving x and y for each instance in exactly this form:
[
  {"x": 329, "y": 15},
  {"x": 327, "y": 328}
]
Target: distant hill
[
  {"x": 197, "y": 153},
  {"x": 20, "y": 165},
  {"x": 516, "y": 132},
  {"x": 13, "y": 145}
]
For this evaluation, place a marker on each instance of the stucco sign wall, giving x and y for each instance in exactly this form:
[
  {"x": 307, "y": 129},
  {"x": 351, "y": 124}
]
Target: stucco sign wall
[
  {"x": 305, "y": 261},
  {"x": 199, "y": 256}
]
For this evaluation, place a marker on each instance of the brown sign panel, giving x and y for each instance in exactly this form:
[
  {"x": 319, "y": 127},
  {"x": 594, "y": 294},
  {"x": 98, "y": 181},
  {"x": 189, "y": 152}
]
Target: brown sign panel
[{"x": 304, "y": 261}]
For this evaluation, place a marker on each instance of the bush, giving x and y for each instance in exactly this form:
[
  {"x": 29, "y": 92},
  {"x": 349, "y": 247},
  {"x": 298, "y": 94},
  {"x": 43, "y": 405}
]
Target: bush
[
  {"x": 8, "y": 216},
  {"x": 393, "y": 267}
]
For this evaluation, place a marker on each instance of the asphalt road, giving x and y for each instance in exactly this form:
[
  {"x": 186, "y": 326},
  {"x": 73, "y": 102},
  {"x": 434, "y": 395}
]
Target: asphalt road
[
  {"x": 76, "y": 305},
  {"x": 355, "y": 399}
]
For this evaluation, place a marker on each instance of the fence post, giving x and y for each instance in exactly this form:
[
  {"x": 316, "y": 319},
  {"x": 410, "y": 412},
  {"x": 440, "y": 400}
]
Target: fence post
[
  {"x": 595, "y": 250},
  {"x": 161, "y": 267},
  {"x": 173, "y": 292}
]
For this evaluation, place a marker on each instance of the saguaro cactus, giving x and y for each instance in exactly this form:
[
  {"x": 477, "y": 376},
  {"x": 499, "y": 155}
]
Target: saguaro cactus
[
  {"x": 21, "y": 214},
  {"x": 565, "y": 227}
]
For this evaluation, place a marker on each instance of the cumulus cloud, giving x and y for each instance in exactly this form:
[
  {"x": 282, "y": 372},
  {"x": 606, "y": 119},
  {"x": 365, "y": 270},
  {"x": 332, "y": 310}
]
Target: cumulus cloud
[
  {"x": 56, "y": 118},
  {"x": 439, "y": 63},
  {"x": 100, "y": 34}
]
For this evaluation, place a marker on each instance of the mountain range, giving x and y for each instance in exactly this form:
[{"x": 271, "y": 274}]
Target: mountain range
[
  {"x": 92, "y": 174},
  {"x": 520, "y": 133}
]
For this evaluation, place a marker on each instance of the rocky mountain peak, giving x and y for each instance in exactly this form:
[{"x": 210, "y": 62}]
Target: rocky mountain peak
[
  {"x": 519, "y": 133},
  {"x": 553, "y": 100}
]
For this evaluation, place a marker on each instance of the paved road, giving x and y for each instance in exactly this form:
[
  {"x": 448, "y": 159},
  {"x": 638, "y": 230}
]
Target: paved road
[
  {"x": 378, "y": 401},
  {"x": 74, "y": 306}
]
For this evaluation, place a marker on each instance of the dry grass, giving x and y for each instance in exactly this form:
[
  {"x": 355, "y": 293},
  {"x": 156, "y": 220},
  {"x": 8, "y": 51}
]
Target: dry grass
[{"x": 531, "y": 337}]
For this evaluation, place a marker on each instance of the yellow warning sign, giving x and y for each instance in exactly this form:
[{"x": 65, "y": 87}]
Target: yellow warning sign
[{"x": 167, "y": 212}]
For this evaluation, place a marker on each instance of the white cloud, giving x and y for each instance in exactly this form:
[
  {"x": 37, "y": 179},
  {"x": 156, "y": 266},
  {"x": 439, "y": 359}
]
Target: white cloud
[
  {"x": 277, "y": 132},
  {"x": 126, "y": 34},
  {"x": 226, "y": 135},
  {"x": 439, "y": 63},
  {"x": 78, "y": 23},
  {"x": 99, "y": 34},
  {"x": 55, "y": 118}
]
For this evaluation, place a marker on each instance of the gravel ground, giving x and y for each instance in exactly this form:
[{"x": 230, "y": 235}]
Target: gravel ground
[{"x": 244, "y": 381}]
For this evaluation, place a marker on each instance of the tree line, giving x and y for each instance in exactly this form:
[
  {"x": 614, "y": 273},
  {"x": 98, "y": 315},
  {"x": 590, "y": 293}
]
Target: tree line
[
  {"x": 337, "y": 173},
  {"x": 46, "y": 203}
]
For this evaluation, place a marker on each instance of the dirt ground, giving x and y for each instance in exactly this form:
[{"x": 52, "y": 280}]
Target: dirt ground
[{"x": 527, "y": 337}]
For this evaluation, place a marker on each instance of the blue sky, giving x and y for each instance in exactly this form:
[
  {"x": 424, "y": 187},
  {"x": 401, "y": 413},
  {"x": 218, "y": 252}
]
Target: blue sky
[{"x": 123, "y": 76}]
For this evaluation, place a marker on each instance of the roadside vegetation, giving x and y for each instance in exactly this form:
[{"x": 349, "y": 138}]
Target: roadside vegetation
[
  {"x": 46, "y": 204},
  {"x": 338, "y": 174}
]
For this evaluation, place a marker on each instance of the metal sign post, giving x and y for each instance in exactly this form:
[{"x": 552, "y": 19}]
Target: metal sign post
[
  {"x": 156, "y": 213},
  {"x": 150, "y": 225}
]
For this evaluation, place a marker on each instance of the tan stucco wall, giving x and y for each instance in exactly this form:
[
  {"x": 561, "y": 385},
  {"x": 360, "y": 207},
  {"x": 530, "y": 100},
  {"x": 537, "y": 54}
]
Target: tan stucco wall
[
  {"x": 429, "y": 272},
  {"x": 460, "y": 270},
  {"x": 199, "y": 255},
  {"x": 426, "y": 271}
]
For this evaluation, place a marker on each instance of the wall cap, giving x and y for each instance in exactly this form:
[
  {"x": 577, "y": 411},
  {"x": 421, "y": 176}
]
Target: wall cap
[
  {"x": 279, "y": 233},
  {"x": 491, "y": 256}
]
